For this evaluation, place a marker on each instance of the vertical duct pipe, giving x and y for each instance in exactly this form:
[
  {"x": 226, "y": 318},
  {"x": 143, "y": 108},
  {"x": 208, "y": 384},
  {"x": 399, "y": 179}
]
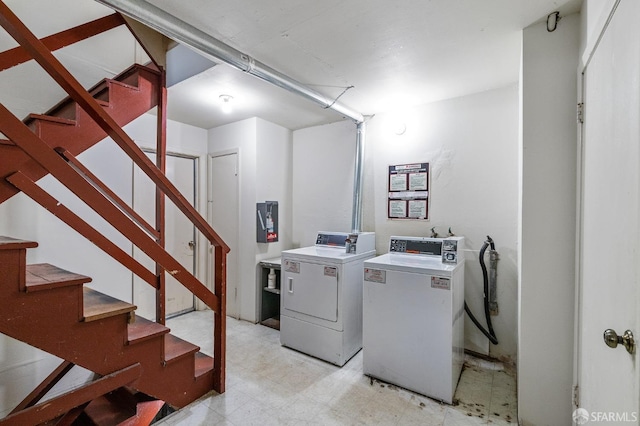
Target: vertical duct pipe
[
  {"x": 185, "y": 33},
  {"x": 356, "y": 215}
]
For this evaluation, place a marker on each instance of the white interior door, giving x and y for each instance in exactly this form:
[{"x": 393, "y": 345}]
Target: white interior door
[
  {"x": 609, "y": 263},
  {"x": 179, "y": 236},
  {"x": 224, "y": 217}
]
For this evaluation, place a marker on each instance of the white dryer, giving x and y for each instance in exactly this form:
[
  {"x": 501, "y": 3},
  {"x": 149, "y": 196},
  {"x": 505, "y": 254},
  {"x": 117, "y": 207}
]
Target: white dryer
[
  {"x": 413, "y": 315},
  {"x": 321, "y": 295}
]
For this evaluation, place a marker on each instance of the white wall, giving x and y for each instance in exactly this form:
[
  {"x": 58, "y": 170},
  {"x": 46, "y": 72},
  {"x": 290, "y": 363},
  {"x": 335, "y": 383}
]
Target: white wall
[
  {"x": 60, "y": 245},
  {"x": 548, "y": 203},
  {"x": 263, "y": 156},
  {"x": 273, "y": 167},
  {"x": 472, "y": 146},
  {"x": 323, "y": 164}
]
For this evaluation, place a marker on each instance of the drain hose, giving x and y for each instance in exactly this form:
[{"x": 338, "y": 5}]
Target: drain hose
[{"x": 491, "y": 335}]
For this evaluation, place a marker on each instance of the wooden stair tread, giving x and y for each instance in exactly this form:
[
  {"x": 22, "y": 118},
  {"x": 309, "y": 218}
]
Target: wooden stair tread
[
  {"x": 204, "y": 364},
  {"x": 97, "y": 90},
  {"x": 51, "y": 118},
  {"x": 7, "y": 142},
  {"x": 119, "y": 83},
  {"x": 8, "y": 243},
  {"x": 98, "y": 306},
  {"x": 102, "y": 411},
  {"x": 43, "y": 276},
  {"x": 124, "y": 106},
  {"x": 123, "y": 407},
  {"x": 175, "y": 348},
  {"x": 143, "y": 329}
]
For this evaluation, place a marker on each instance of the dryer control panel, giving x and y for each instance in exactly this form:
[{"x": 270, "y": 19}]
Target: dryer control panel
[{"x": 353, "y": 243}]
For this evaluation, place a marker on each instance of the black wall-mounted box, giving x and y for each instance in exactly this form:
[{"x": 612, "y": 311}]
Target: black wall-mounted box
[{"x": 267, "y": 222}]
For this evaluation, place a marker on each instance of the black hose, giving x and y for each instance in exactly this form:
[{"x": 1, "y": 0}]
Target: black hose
[{"x": 491, "y": 335}]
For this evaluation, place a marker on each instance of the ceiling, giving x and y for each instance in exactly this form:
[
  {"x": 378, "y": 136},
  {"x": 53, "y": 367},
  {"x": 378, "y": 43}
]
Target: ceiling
[{"x": 375, "y": 55}]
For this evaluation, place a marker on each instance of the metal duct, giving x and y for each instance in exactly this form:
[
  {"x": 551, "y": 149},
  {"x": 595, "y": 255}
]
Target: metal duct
[
  {"x": 185, "y": 33},
  {"x": 176, "y": 29},
  {"x": 356, "y": 218}
]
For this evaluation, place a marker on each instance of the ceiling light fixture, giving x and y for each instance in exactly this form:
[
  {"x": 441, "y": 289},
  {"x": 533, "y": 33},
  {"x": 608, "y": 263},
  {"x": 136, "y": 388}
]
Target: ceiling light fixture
[{"x": 226, "y": 103}]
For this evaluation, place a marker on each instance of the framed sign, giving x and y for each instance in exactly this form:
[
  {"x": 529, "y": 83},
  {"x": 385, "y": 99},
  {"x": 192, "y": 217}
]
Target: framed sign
[{"x": 408, "y": 191}]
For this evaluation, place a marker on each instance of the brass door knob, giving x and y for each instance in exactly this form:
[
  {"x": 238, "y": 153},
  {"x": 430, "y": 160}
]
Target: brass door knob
[{"x": 612, "y": 340}]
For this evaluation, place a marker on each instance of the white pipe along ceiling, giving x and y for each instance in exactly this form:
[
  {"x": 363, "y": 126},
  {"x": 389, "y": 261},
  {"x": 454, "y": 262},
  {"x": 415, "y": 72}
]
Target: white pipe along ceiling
[{"x": 185, "y": 33}]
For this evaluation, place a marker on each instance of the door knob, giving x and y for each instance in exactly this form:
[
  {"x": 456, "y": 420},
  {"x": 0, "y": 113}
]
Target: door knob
[
  {"x": 612, "y": 340},
  {"x": 192, "y": 245}
]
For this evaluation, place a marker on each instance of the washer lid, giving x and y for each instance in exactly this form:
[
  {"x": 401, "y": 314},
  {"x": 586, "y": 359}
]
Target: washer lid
[
  {"x": 325, "y": 254},
  {"x": 411, "y": 263}
]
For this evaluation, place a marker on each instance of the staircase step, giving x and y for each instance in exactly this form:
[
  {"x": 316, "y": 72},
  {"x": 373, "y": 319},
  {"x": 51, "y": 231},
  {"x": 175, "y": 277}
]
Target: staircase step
[
  {"x": 8, "y": 243},
  {"x": 125, "y": 105},
  {"x": 98, "y": 306},
  {"x": 176, "y": 348},
  {"x": 120, "y": 83},
  {"x": 143, "y": 329},
  {"x": 146, "y": 412},
  {"x": 100, "y": 91},
  {"x": 7, "y": 142},
  {"x": 123, "y": 408},
  {"x": 43, "y": 276},
  {"x": 51, "y": 119},
  {"x": 105, "y": 411},
  {"x": 204, "y": 364}
]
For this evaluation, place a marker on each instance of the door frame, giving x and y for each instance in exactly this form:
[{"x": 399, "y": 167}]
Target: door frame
[
  {"x": 209, "y": 187},
  {"x": 592, "y": 44},
  {"x": 577, "y": 365},
  {"x": 200, "y": 257}
]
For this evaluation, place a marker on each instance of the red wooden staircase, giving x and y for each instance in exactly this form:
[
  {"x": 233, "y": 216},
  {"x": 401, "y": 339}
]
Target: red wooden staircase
[
  {"x": 125, "y": 97},
  {"x": 53, "y": 310},
  {"x": 139, "y": 365}
]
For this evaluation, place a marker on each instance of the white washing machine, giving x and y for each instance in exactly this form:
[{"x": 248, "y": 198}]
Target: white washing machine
[
  {"x": 413, "y": 315},
  {"x": 321, "y": 295}
]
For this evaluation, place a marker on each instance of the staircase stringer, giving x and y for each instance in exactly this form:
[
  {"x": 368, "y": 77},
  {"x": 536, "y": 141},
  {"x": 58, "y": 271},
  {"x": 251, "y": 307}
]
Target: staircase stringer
[{"x": 58, "y": 406}]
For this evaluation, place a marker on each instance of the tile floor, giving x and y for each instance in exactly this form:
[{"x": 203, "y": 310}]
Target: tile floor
[{"x": 268, "y": 384}]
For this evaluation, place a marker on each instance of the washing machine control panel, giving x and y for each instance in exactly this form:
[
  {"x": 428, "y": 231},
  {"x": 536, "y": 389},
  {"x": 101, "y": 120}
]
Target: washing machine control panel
[
  {"x": 416, "y": 245},
  {"x": 449, "y": 249}
]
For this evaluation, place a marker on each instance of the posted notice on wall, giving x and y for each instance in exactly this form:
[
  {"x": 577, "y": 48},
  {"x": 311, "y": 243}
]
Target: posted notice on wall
[{"x": 409, "y": 191}]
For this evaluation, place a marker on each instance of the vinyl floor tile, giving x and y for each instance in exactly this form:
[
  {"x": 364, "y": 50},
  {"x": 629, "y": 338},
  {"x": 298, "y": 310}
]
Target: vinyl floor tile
[{"x": 268, "y": 384}]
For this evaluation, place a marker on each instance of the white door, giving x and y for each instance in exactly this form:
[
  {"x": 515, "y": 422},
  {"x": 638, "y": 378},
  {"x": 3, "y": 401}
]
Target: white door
[
  {"x": 609, "y": 263},
  {"x": 224, "y": 216},
  {"x": 179, "y": 236}
]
